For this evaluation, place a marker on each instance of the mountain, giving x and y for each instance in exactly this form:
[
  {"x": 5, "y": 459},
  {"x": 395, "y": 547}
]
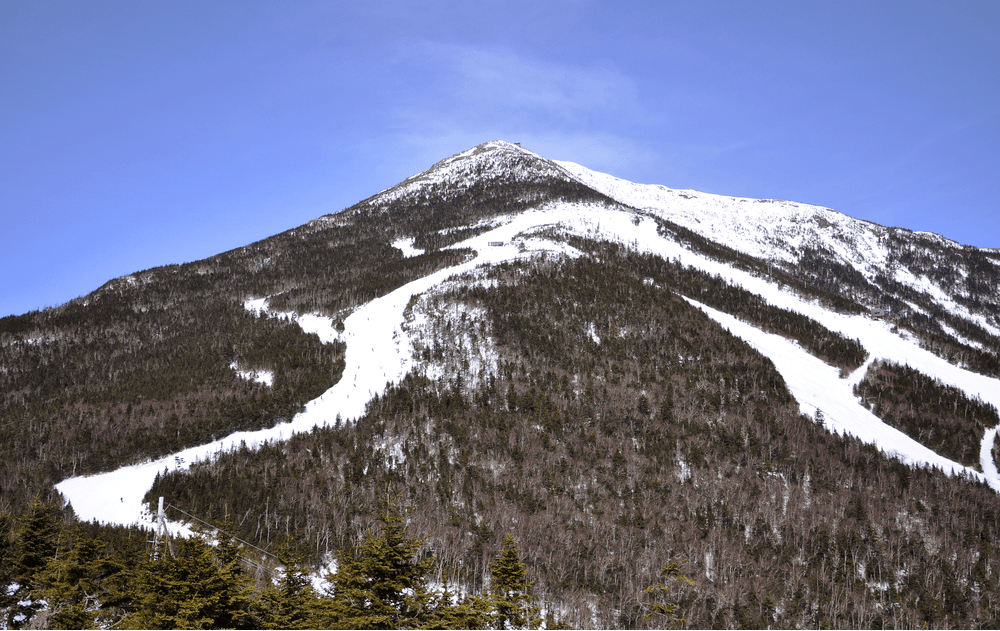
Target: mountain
[{"x": 796, "y": 407}]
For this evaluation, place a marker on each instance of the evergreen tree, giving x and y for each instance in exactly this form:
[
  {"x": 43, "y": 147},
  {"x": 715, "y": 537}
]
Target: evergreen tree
[
  {"x": 671, "y": 573},
  {"x": 292, "y": 603},
  {"x": 35, "y": 539},
  {"x": 510, "y": 598},
  {"x": 236, "y": 598},
  {"x": 70, "y": 584},
  {"x": 381, "y": 582},
  {"x": 36, "y": 536},
  {"x": 7, "y": 551},
  {"x": 182, "y": 592},
  {"x": 119, "y": 570}
]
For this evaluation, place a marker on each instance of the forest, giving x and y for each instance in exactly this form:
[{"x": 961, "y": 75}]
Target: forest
[
  {"x": 73, "y": 576},
  {"x": 668, "y": 441},
  {"x": 580, "y": 446},
  {"x": 938, "y": 416}
]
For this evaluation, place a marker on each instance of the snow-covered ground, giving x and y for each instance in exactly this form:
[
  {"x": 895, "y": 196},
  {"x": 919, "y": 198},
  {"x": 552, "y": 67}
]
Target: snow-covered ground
[
  {"x": 379, "y": 352},
  {"x": 778, "y": 230},
  {"x": 265, "y": 377},
  {"x": 817, "y": 386},
  {"x": 406, "y": 247}
]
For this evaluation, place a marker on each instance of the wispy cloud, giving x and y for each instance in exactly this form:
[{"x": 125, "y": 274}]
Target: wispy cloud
[
  {"x": 517, "y": 81},
  {"x": 497, "y": 82},
  {"x": 563, "y": 111}
]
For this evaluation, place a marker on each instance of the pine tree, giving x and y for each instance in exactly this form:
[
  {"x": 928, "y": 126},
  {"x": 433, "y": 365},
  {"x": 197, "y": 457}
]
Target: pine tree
[
  {"x": 182, "y": 592},
  {"x": 510, "y": 598},
  {"x": 36, "y": 536},
  {"x": 236, "y": 598},
  {"x": 381, "y": 582},
  {"x": 671, "y": 573},
  {"x": 119, "y": 572},
  {"x": 70, "y": 584},
  {"x": 292, "y": 603},
  {"x": 7, "y": 552},
  {"x": 35, "y": 539}
]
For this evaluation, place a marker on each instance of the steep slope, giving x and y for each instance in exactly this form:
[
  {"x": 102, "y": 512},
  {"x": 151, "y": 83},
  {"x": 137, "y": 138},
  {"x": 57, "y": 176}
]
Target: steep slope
[
  {"x": 935, "y": 283},
  {"x": 611, "y": 371}
]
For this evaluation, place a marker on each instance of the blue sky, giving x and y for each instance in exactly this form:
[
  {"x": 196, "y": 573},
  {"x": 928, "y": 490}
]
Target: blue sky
[{"x": 136, "y": 134}]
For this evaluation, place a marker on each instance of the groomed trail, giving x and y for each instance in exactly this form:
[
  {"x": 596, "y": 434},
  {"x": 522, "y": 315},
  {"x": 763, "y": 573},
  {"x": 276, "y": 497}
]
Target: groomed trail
[{"x": 379, "y": 353}]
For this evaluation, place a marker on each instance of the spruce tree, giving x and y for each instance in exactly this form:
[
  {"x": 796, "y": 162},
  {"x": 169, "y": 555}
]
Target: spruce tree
[
  {"x": 236, "y": 596},
  {"x": 35, "y": 540},
  {"x": 509, "y": 593},
  {"x": 182, "y": 592},
  {"x": 292, "y": 602},
  {"x": 70, "y": 584},
  {"x": 671, "y": 573},
  {"x": 119, "y": 570},
  {"x": 381, "y": 582},
  {"x": 7, "y": 551}
]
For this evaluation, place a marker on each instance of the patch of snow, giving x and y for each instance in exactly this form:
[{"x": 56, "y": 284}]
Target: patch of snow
[
  {"x": 406, "y": 247},
  {"x": 318, "y": 578},
  {"x": 380, "y": 351},
  {"x": 431, "y": 320},
  {"x": 256, "y": 305},
  {"x": 593, "y": 333},
  {"x": 265, "y": 377}
]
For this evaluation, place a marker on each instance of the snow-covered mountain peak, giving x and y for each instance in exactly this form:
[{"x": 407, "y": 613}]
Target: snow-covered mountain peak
[
  {"x": 937, "y": 284},
  {"x": 482, "y": 165}
]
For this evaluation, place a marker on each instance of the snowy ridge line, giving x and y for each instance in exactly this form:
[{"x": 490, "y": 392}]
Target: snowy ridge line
[
  {"x": 379, "y": 352},
  {"x": 773, "y": 229},
  {"x": 493, "y": 160}
]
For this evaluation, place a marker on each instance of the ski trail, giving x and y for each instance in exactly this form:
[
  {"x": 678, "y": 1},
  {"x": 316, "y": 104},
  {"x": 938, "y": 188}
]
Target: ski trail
[
  {"x": 986, "y": 458},
  {"x": 378, "y": 353},
  {"x": 818, "y": 386}
]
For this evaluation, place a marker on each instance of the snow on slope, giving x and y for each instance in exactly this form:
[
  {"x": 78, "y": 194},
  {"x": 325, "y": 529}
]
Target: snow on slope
[
  {"x": 406, "y": 247},
  {"x": 379, "y": 352},
  {"x": 265, "y": 377},
  {"x": 495, "y": 160},
  {"x": 818, "y": 388},
  {"x": 779, "y": 230},
  {"x": 765, "y": 228}
]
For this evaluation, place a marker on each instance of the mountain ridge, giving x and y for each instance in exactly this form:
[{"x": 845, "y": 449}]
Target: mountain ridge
[{"x": 515, "y": 350}]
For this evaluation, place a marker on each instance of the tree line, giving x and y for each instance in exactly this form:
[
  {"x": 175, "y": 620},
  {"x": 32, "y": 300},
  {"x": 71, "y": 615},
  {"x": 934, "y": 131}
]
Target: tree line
[
  {"x": 668, "y": 440},
  {"x": 66, "y": 575},
  {"x": 938, "y": 416}
]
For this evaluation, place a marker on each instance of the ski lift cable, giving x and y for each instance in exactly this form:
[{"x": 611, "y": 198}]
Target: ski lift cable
[{"x": 221, "y": 530}]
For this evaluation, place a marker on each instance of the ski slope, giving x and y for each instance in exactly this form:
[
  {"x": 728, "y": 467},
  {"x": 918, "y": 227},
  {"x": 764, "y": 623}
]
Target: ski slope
[
  {"x": 379, "y": 352},
  {"x": 779, "y": 230}
]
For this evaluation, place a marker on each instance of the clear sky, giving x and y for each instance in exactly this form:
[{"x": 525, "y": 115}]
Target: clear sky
[{"x": 136, "y": 134}]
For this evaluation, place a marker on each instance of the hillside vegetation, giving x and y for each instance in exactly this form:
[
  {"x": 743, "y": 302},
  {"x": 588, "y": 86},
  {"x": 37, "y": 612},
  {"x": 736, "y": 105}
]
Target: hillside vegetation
[
  {"x": 574, "y": 441},
  {"x": 667, "y": 440}
]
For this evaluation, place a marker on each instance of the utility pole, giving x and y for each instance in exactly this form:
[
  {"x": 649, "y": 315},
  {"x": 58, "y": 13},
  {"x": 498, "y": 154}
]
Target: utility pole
[{"x": 161, "y": 528}]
